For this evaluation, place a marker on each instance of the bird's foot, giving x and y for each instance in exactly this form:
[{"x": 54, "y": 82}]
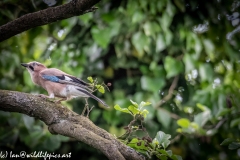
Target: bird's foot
[
  {"x": 46, "y": 97},
  {"x": 57, "y": 101},
  {"x": 43, "y": 96},
  {"x": 60, "y": 100}
]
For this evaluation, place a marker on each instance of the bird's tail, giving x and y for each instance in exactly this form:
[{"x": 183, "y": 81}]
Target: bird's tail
[{"x": 93, "y": 96}]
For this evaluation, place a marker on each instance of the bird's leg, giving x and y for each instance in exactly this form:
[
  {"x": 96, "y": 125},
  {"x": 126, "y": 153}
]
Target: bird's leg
[
  {"x": 43, "y": 96},
  {"x": 51, "y": 96},
  {"x": 60, "y": 100},
  {"x": 86, "y": 107}
]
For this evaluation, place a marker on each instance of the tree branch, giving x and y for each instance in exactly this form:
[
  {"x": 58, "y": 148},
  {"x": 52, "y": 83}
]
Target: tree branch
[
  {"x": 61, "y": 120},
  {"x": 46, "y": 16}
]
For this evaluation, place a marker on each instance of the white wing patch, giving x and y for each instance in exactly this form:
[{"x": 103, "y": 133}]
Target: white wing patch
[{"x": 67, "y": 78}]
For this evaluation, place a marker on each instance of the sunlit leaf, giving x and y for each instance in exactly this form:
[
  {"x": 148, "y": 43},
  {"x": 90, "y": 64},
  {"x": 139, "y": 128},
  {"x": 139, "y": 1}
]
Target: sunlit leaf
[
  {"x": 137, "y": 144},
  {"x": 179, "y": 130},
  {"x": 194, "y": 125},
  {"x": 100, "y": 88},
  {"x": 117, "y": 107},
  {"x": 133, "y": 110},
  {"x": 202, "y": 107},
  {"x": 183, "y": 122},
  {"x": 144, "y": 113},
  {"x": 134, "y": 103},
  {"x": 90, "y": 79},
  {"x": 143, "y": 104}
]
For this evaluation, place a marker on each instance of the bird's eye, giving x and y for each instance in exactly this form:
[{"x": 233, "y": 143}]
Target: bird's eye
[{"x": 31, "y": 68}]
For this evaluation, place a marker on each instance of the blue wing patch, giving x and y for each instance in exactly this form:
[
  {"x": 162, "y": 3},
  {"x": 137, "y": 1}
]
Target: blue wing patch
[{"x": 51, "y": 78}]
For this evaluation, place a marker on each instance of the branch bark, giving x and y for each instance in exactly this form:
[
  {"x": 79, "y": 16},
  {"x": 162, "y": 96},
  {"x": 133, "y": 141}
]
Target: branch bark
[
  {"x": 61, "y": 120},
  {"x": 46, "y": 16}
]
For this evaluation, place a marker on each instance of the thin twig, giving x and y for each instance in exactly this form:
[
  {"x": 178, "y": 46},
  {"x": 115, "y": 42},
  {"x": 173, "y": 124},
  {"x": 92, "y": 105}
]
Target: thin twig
[
  {"x": 170, "y": 92},
  {"x": 168, "y": 97}
]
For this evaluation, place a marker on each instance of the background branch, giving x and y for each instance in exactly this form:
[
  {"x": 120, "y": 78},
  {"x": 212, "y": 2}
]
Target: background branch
[
  {"x": 61, "y": 120},
  {"x": 46, "y": 16}
]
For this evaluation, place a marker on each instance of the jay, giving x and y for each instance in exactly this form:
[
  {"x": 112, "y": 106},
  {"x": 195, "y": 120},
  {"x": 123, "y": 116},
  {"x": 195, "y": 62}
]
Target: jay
[{"x": 58, "y": 83}]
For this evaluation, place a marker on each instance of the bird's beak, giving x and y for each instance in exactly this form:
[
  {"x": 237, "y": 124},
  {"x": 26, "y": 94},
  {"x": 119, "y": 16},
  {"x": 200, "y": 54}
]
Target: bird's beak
[{"x": 24, "y": 64}]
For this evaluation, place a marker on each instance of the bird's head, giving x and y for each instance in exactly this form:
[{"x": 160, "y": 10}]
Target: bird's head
[{"x": 33, "y": 67}]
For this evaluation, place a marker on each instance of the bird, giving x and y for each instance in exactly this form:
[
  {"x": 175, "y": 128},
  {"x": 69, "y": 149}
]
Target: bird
[{"x": 58, "y": 83}]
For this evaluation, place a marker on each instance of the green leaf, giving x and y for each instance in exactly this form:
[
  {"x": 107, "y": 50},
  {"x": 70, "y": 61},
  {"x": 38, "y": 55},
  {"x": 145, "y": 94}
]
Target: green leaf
[
  {"x": 183, "y": 122},
  {"x": 100, "y": 88},
  {"x": 189, "y": 62},
  {"x": 172, "y": 66},
  {"x": 134, "y": 103},
  {"x": 162, "y": 157},
  {"x": 202, "y": 118},
  {"x": 168, "y": 153},
  {"x": 150, "y": 28},
  {"x": 206, "y": 72},
  {"x": 227, "y": 141},
  {"x": 160, "y": 43},
  {"x": 28, "y": 121},
  {"x": 141, "y": 42},
  {"x": 133, "y": 110},
  {"x": 143, "y": 104},
  {"x": 152, "y": 84},
  {"x": 86, "y": 18},
  {"x": 101, "y": 36},
  {"x": 133, "y": 142},
  {"x": 137, "y": 16},
  {"x": 137, "y": 144},
  {"x": 117, "y": 107},
  {"x": 90, "y": 79},
  {"x": 223, "y": 111},
  {"x": 234, "y": 145},
  {"x": 202, "y": 107},
  {"x": 144, "y": 113},
  {"x": 163, "y": 139},
  {"x": 235, "y": 122},
  {"x": 163, "y": 117},
  {"x": 176, "y": 157},
  {"x": 33, "y": 138}
]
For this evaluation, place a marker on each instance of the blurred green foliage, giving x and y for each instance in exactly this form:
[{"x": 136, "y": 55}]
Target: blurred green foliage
[{"x": 149, "y": 51}]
